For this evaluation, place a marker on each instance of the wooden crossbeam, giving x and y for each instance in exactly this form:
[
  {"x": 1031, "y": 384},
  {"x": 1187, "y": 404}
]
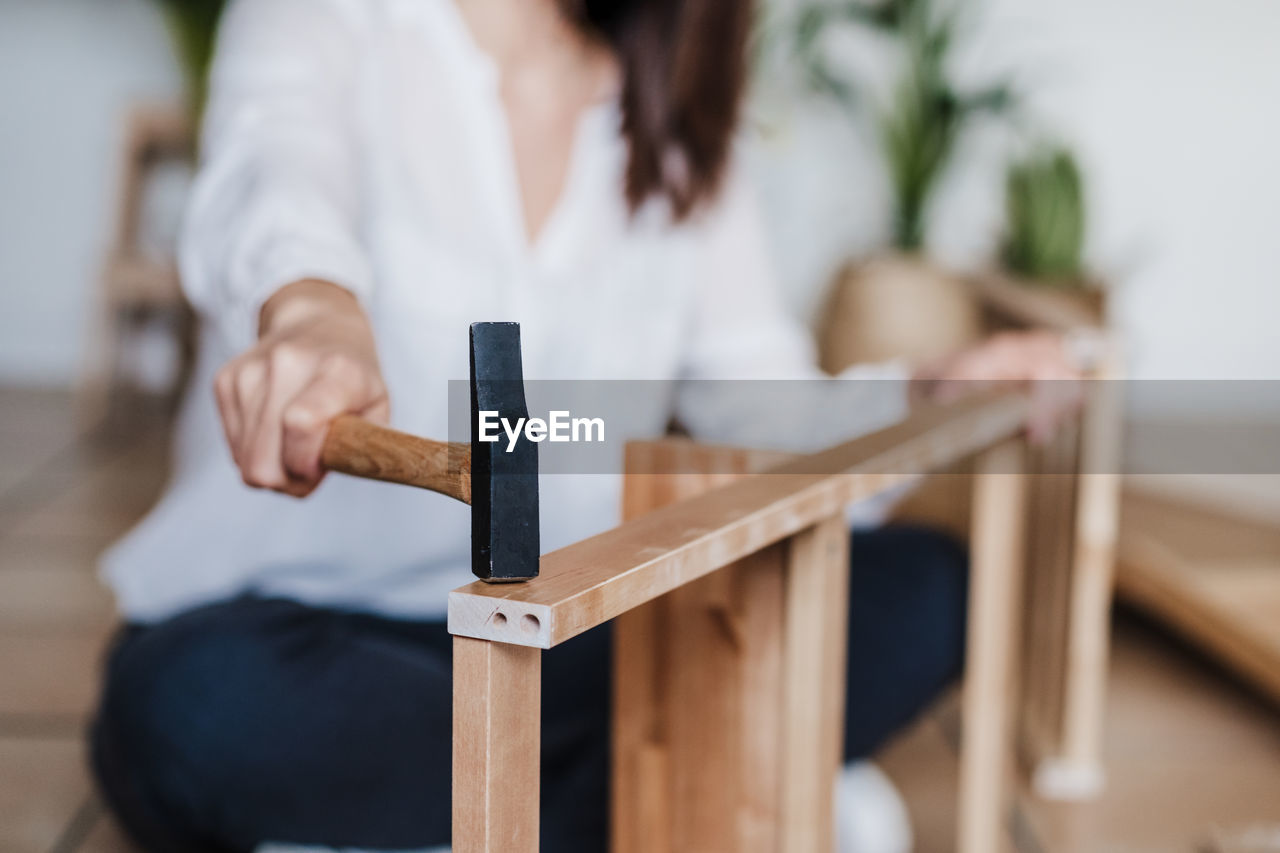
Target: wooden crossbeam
[{"x": 590, "y": 582}]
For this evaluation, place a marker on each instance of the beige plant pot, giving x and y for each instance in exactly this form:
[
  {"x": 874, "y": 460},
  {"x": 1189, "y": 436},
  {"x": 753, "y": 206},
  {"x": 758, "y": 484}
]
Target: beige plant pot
[{"x": 896, "y": 306}]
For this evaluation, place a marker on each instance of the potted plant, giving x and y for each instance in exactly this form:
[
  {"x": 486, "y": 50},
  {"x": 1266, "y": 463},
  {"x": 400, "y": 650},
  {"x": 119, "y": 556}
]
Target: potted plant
[
  {"x": 1040, "y": 275},
  {"x": 194, "y": 25},
  {"x": 1043, "y": 244},
  {"x": 1044, "y": 203},
  {"x": 899, "y": 304}
]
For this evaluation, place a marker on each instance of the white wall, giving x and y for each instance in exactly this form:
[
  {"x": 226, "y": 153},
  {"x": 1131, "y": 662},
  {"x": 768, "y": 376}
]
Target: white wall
[
  {"x": 1173, "y": 104},
  {"x": 69, "y": 69},
  {"x": 1176, "y": 107}
]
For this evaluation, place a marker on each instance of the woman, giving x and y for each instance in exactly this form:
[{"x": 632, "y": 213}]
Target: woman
[{"x": 378, "y": 174}]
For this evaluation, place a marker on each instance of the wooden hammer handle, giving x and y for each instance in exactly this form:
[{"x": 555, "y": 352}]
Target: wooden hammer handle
[{"x": 362, "y": 449}]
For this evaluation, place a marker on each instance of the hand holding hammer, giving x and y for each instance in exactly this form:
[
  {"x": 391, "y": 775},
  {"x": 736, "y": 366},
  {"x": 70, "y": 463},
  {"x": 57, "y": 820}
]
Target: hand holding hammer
[
  {"x": 501, "y": 486},
  {"x": 316, "y": 358}
]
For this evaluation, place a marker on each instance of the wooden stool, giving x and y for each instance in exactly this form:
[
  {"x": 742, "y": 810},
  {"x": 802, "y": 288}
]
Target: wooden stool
[{"x": 137, "y": 287}]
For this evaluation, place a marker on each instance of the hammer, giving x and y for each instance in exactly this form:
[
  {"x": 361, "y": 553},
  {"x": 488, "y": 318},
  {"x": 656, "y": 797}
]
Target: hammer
[{"x": 500, "y": 485}]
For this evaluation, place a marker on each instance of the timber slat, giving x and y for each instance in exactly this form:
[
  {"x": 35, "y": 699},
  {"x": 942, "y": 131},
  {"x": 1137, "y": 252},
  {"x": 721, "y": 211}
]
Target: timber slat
[{"x": 590, "y": 582}]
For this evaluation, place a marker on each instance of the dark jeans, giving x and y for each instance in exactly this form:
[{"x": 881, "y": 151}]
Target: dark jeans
[{"x": 266, "y": 720}]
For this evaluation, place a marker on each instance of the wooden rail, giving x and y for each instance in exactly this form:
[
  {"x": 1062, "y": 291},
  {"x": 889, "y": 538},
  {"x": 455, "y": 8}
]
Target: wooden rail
[{"x": 592, "y": 581}]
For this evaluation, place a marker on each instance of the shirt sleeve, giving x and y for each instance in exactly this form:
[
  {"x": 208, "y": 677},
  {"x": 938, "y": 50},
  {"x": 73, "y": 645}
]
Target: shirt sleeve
[
  {"x": 750, "y": 368},
  {"x": 276, "y": 199}
]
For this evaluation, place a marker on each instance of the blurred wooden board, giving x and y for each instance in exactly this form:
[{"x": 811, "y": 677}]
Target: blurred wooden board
[
  {"x": 1212, "y": 577},
  {"x": 1024, "y": 304}
]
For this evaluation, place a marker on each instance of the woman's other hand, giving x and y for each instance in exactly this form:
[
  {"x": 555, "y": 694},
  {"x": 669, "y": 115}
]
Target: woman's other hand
[
  {"x": 315, "y": 359},
  {"x": 1042, "y": 359}
]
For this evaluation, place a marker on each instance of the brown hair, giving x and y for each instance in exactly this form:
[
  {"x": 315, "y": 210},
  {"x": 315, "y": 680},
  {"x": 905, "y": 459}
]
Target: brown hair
[{"x": 683, "y": 71}]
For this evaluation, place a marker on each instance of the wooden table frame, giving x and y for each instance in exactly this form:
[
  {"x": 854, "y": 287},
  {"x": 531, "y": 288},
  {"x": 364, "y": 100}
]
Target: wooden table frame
[
  {"x": 736, "y": 747},
  {"x": 1073, "y": 529}
]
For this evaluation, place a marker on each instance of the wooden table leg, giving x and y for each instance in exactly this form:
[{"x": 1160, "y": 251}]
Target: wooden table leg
[
  {"x": 697, "y": 714},
  {"x": 814, "y": 649},
  {"x": 1047, "y": 590},
  {"x": 497, "y": 692},
  {"x": 1078, "y": 774},
  {"x": 729, "y": 702},
  {"x": 989, "y": 689},
  {"x": 697, "y": 682}
]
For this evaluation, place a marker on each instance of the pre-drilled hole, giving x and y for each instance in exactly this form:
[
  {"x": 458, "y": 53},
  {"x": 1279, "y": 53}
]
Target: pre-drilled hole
[
  {"x": 530, "y": 624},
  {"x": 499, "y": 619}
]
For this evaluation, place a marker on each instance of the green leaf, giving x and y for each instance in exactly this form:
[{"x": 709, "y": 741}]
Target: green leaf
[
  {"x": 919, "y": 131},
  {"x": 997, "y": 100},
  {"x": 194, "y": 26},
  {"x": 1045, "y": 208}
]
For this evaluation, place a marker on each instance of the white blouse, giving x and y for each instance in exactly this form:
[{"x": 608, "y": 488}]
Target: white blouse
[{"x": 364, "y": 142}]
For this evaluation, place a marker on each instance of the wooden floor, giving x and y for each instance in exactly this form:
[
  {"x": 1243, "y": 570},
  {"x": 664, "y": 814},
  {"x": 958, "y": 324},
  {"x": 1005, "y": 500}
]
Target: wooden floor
[
  {"x": 1191, "y": 755},
  {"x": 1214, "y": 575},
  {"x": 1188, "y": 749}
]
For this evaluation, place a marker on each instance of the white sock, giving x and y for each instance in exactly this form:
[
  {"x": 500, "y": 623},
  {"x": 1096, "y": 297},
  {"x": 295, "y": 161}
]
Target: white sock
[{"x": 870, "y": 814}]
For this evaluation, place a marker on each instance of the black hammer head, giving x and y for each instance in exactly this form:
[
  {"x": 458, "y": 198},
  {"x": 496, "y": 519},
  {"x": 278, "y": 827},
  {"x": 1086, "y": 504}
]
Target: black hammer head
[{"x": 504, "y": 476}]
